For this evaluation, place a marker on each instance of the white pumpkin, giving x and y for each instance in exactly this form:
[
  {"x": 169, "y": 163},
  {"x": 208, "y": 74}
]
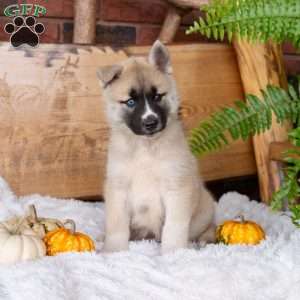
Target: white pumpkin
[
  {"x": 18, "y": 243},
  {"x": 41, "y": 226}
]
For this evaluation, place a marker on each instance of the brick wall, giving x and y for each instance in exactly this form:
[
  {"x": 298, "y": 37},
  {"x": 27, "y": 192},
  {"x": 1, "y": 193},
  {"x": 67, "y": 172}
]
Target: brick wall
[{"x": 119, "y": 23}]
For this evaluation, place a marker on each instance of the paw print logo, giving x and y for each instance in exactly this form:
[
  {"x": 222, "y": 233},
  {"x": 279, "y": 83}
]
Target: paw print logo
[{"x": 24, "y": 31}]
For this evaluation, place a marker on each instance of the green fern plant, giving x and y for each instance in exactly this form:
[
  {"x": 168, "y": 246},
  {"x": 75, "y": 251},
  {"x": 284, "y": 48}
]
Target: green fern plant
[
  {"x": 289, "y": 192},
  {"x": 255, "y": 20},
  {"x": 245, "y": 119}
]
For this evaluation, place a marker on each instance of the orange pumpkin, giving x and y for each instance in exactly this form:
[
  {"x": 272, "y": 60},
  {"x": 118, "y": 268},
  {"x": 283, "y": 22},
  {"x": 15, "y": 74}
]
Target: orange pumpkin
[
  {"x": 66, "y": 240},
  {"x": 240, "y": 232}
]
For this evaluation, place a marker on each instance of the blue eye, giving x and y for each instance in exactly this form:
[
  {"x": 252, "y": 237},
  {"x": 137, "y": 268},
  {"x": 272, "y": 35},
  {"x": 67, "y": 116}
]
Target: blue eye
[{"x": 130, "y": 103}]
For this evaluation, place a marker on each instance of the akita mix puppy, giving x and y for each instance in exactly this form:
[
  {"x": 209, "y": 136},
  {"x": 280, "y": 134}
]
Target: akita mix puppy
[{"x": 152, "y": 189}]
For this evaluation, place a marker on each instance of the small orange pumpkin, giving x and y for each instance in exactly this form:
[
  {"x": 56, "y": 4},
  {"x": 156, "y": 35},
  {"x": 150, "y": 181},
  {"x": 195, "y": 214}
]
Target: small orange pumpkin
[
  {"x": 240, "y": 232},
  {"x": 65, "y": 240}
]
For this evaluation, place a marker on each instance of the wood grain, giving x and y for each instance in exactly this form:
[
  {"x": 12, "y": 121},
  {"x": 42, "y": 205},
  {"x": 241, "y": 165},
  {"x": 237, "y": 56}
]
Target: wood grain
[
  {"x": 53, "y": 132},
  {"x": 85, "y": 22},
  {"x": 170, "y": 25},
  {"x": 177, "y": 9},
  {"x": 260, "y": 65},
  {"x": 277, "y": 150}
]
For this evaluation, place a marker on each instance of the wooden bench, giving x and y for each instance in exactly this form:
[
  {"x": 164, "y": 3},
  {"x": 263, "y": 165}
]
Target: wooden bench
[{"x": 53, "y": 133}]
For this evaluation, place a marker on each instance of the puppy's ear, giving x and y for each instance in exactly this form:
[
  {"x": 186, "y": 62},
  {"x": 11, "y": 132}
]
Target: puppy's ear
[
  {"x": 108, "y": 74},
  {"x": 159, "y": 57}
]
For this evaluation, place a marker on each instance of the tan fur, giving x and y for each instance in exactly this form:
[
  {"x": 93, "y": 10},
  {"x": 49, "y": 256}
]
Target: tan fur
[{"x": 152, "y": 184}]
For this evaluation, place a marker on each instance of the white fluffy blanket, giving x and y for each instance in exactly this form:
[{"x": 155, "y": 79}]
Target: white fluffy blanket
[{"x": 268, "y": 271}]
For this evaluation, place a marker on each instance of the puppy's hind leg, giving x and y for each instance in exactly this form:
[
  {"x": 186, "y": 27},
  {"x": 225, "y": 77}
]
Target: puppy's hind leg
[
  {"x": 203, "y": 227},
  {"x": 208, "y": 236}
]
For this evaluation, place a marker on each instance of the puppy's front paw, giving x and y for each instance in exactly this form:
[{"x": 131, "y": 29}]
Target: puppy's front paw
[
  {"x": 175, "y": 236},
  {"x": 172, "y": 247},
  {"x": 168, "y": 250}
]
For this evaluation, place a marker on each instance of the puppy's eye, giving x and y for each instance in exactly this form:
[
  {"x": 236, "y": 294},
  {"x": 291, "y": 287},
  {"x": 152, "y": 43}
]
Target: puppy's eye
[
  {"x": 158, "y": 97},
  {"x": 130, "y": 103}
]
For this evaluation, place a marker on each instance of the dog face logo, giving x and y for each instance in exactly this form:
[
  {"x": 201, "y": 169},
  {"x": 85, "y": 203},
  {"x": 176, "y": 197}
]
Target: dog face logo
[{"x": 24, "y": 29}]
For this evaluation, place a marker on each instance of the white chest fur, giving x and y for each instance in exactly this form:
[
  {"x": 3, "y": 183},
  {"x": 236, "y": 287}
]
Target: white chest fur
[{"x": 145, "y": 199}]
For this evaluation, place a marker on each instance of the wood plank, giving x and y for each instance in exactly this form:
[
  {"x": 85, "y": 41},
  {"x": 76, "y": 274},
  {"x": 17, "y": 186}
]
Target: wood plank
[
  {"x": 277, "y": 150},
  {"x": 260, "y": 65},
  {"x": 53, "y": 132},
  {"x": 177, "y": 9},
  {"x": 85, "y": 22},
  {"x": 171, "y": 25}
]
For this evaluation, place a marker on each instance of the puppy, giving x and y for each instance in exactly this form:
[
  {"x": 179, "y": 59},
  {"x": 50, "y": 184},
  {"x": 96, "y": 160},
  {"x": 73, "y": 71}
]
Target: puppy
[{"x": 152, "y": 189}]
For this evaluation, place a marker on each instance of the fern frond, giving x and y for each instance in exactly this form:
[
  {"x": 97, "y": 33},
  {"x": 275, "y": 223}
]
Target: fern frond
[
  {"x": 254, "y": 20},
  {"x": 289, "y": 192},
  {"x": 245, "y": 119}
]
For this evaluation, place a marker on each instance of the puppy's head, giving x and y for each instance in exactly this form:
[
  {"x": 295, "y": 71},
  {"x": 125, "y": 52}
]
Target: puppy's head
[{"x": 140, "y": 93}]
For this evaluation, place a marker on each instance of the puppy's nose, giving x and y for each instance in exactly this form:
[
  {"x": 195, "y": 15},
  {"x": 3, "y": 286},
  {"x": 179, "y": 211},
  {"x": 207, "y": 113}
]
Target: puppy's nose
[{"x": 150, "y": 123}]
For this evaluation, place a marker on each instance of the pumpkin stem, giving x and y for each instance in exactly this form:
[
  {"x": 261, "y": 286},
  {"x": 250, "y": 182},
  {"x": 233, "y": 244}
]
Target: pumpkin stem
[
  {"x": 72, "y": 224},
  {"x": 241, "y": 218},
  {"x": 33, "y": 213},
  {"x": 36, "y": 219},
  {"x": 58, "y": 222}
]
